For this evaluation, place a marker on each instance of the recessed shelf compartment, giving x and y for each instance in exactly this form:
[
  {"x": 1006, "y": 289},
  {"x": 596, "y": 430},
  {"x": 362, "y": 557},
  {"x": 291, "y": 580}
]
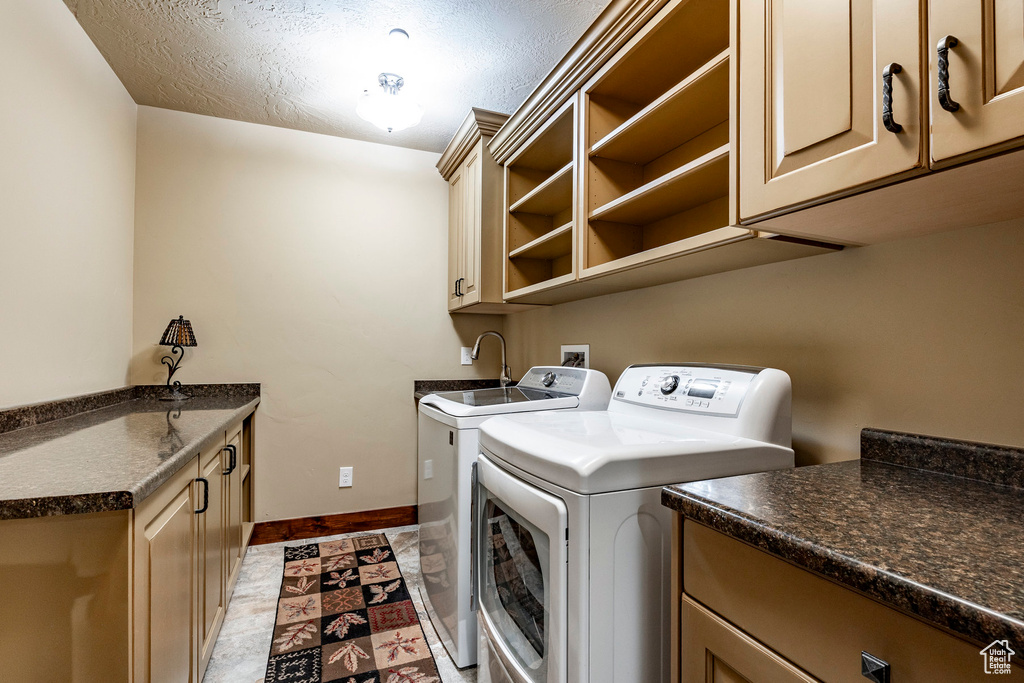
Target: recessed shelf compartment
[
  {"x": 696, "y": 104},
  {"x": 698, "y": 182},
  {"x": 657, "y": 144},
  {"x": 550, "y": 197},
  {"x": 675, "y": 45},
  {"x": 551, "y": 245},
  {"x": 540, "y": 217}
]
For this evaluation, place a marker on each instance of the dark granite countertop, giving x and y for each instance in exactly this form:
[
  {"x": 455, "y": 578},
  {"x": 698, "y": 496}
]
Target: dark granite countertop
[
  {"x": 947, "y": 549},
  {"x": 110, "y": 458},
  {"x": 423, "y": 387}
]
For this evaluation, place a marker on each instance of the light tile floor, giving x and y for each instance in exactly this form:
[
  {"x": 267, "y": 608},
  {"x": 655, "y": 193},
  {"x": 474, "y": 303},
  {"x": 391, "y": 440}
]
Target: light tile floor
[{"x": 243, "y": 647}]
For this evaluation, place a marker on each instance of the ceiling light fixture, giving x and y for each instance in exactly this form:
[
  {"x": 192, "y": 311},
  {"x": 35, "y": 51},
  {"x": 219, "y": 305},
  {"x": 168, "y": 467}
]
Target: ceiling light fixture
[{"x": 388, "y": 108}]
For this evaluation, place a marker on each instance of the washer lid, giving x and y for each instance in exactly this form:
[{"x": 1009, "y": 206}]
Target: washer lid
[
  {"x": 598, "y": 451},
  {"x": 498, "y": 401}
]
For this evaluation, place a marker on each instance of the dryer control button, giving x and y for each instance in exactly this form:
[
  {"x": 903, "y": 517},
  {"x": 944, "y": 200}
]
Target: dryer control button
[
  {"x": 670, "y": 384},
  {"x": 548, "y": 379}
]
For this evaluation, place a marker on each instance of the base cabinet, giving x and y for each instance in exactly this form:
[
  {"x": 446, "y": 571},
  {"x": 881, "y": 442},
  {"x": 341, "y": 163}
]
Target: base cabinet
[
  {"x": 211, "y": 534},
  {"x": 164, "y": 581},
  {"x": 748, "y": 616},
  {"x": 189, "y": 541},
  {"x": 129, "y": 596},
  {"x": 713, "y": 651},
  {"x": 233, "y": 508}
]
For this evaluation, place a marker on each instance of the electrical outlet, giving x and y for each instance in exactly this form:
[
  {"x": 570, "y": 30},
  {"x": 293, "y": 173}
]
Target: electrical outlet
[
  {"x": 428, "y": 469},
  {"x": 467, "y": 355},
  {"x": 345, "y": 477},
  {"x": 576, "y": 355}
]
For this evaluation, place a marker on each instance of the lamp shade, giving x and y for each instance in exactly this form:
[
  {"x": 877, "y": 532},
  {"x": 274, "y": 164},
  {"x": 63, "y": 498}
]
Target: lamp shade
[
  {"x": 178, "y": 333},
  {"x": 389, "y": 108}
]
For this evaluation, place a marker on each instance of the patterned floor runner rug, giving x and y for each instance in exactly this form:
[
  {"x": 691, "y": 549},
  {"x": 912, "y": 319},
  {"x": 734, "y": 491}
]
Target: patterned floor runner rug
[{"x": 345, "y": 615}]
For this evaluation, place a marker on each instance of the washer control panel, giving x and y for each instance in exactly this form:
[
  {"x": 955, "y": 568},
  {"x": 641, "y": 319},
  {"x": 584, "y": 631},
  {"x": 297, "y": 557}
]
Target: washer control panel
[
  {"x": 700, "y": 389},
  {"x": 562, "y": 380}
]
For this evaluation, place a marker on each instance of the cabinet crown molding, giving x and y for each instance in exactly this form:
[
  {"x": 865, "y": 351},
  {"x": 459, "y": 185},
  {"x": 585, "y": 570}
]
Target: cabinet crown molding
[
  {"x": 610, "y": 31},
  {"x": 478, "y": 123}
]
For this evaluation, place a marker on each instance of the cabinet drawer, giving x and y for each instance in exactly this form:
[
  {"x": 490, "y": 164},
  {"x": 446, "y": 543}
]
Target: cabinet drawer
[
  {"x": 713, "y": 651},
  {"x": 820, "y": 626}
]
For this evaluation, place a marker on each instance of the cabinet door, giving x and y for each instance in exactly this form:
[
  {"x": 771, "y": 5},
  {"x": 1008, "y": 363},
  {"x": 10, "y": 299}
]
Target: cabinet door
[
  {"x": 233, "y": 509},
  {"x": 713, "y": 651},
  {"x": 472, "y": 180},
  {"x": 810, "y": 98},
  {"x": 986, "y": 75},
  {"x": 210, "y": 547},
  {"x": 165, "y": 571},
  {"x": 456, "y": 218}
]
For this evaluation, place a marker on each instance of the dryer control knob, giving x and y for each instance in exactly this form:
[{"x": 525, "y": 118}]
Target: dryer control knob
[
  {"x": 670, "y": 384},
  {"x": 548, "y": 379}
]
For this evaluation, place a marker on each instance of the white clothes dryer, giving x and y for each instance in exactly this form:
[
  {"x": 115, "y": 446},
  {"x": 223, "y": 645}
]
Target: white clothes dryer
[
  {"x": 573, "y": 544},
  {"x": 447, "y": 448}
]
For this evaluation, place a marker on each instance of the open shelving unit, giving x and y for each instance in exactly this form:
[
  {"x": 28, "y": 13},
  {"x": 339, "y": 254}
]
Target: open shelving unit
[
  {"x": 540, "y": 192},
  {"x": 632, "y": 180},
  {"x": 657, "y": 142}
]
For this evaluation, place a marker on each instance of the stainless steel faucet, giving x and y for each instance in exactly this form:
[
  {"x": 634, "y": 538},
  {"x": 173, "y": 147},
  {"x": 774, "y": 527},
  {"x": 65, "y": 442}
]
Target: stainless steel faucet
[{"x": 506, "y": 372}]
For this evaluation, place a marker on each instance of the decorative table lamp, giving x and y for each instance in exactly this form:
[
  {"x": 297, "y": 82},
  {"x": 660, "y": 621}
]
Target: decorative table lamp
[{"x": 177, "y": 335}]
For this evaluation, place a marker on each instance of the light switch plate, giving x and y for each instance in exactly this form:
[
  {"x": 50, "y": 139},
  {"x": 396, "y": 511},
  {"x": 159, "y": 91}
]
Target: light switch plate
[
  {"x": 578, "y": 353},
  {"x": 467, "y": 355},
  {"x": 428, "y": 469}
]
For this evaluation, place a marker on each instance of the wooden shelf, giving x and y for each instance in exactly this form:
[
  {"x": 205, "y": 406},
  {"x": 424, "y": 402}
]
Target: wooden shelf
[
  {"x": 719, "y": 251},
  {"x": 550, "y": 197},
  {"x": 556, "y": 243},
  {"x": 551, "y": 147},
  {"x": 671, "y": 46},
  {"x": 698, "y": 182},
  {"x": 539, "y": 288},
  {"x": 245, "y": 471},
  {"x": 692, "y": 106}
]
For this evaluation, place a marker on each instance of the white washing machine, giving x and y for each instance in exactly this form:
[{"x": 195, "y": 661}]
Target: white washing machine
[
  {"x": 573, "y": 544},
  {"x": 448, "y": 436}
]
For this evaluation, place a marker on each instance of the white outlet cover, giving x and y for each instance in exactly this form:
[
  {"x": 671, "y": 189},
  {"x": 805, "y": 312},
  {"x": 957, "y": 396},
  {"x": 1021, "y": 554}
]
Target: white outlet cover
[
  {"x": 467, "y": 355},
  {"x": 574, "y": 351},
  {"x": 428, "y": 469},
  {"x": 345, "y": 477}
]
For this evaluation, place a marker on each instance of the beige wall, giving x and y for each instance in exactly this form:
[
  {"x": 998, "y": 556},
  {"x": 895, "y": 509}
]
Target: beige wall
[
  {"x": 317, "y": 266},
  {"x": 922, "y": 335},
  {"x": 67, "y": 173}
]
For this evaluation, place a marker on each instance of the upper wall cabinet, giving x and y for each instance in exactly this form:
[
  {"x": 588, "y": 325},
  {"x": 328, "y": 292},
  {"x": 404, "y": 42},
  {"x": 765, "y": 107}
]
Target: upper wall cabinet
[
  {"x": 475, "y": 203},
  {"x": 838, "y": 97},
  {"x": 978, "y": 101},
  {"x": 815, "y": 80}
]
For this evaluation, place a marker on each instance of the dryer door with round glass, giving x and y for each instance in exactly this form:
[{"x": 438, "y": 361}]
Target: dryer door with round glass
[{"x": 522, "y": 574}]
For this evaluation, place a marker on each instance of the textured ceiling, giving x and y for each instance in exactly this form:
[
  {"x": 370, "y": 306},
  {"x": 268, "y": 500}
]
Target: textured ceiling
[{"x": 302, "y": 63}]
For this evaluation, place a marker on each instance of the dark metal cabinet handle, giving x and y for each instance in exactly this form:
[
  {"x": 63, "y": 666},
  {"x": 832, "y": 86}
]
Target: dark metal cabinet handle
[
  {"x": 874, "y": 669},
  {"x": 458, "y": 286},
  {"x": 233, "y": 451},
  {"x": 887, "y": 120},
  {"x": 943, "y": 49},
  {"x": 206, "y": 495}
]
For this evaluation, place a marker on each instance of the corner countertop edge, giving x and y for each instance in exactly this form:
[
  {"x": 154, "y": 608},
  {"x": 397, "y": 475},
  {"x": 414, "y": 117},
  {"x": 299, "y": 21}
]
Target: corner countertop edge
[
  {"x": 88, "y": 502},
  {"x": 146, "y": 487}
]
